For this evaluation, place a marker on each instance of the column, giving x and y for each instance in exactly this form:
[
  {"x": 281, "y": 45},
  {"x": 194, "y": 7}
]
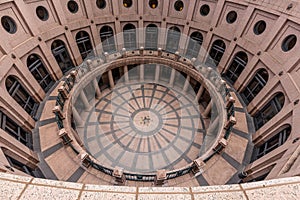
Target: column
[
  {"x": 207, "y": 110},
  {"x": 172, "y": 78},
  {"x": 199, "y": 93},
  {"x": 111, "y": 79},
  {"x": 126, "y": 74},
  {"x": 142, "y": 67},
  {"x": 77, "y": 117},
  {"x": 84, "y": 100},
  {"x": 157, "y": 68},
  {"x": 97, "y": 89},
  {"x": 186, "y": 84}
]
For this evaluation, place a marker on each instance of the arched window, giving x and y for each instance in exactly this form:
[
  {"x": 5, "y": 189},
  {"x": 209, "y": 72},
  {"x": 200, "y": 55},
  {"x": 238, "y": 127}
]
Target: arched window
[
  {"x": 216, "y": 52},
  {"x": 129, "y": 35},
  {"x": 269, "y": 111},
  {"x": 38, "y": 70},
  {"x": 151, "y": 37},
  {"x": 61, "y": 55},
  {"x": 236, "y": 67},
  {"x": 173, "y": 38},
  {"x": 195, "y": 42},
  {"x": 20, "y": 95},
  {"x": 255, "y": 86},
  {"x": 13, "y": 129},
  {"x": 84, "y": 44},
  {"x": 272, "y": 143},
  {"x": 107, "y": 39}
]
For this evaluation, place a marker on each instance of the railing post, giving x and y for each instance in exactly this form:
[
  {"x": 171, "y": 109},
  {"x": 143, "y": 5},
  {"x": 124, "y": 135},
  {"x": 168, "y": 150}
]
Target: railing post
[
  {"x": 160, "y": 178},
  {"x": 63, "y": 92},
  {"x": 124, "y": 53},
  {"x": 159, "y": 52},
  {"x": 177, "y": 56},
  {"x": 63, "y": 134},
  {"x": 221, "y": 145},
  {"x": 106, "y": 57},
  {"x": 141, "y": 51},
  {"x": 198, "y": 166},
  {"x": 56, "y": 110},
  {"x": 230, "y": 122},
  {"x": 230, "y": 101},
  {"x": 85, "y": 160},
  {"x": 119, "y": 176}
]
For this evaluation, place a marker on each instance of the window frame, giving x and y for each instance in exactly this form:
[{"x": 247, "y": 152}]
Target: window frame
[
  {"x": 84, "y": 42},
  {"x": 270, "y": 110},
  {"x": 21, "y": 96},
  {"x": 265, "y": 148},
  {"x": 107, "y": 39},
  {"x": 17, "y": 134}
]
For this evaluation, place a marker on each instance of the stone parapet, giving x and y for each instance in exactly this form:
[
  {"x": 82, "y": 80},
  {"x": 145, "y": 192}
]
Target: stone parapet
[{"x": 20, "y": 187}]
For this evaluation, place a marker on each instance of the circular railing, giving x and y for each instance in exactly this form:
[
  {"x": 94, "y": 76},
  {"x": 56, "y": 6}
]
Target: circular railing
[{"x": 90, "y": 69}]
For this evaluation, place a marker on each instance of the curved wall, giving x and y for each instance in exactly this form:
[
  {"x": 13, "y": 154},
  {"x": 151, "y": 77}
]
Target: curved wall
[{"x": 263, "y": 51}]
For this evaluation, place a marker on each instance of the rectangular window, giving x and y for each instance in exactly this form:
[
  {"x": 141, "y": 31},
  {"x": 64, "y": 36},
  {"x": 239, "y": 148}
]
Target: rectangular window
[
  {"x": 9, "y": 126},
  {"x": 271, "y": 144},
  {"x": 20, "y": 166}
]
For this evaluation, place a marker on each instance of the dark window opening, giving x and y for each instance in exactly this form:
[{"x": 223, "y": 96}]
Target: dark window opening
[
  {"x": 271, "y": 144},
  {"x": 101, "y": 4},
  {"x": 289, "y": 42},
  {"x": 107, "y": 39},
  {"x": 255, "y": 86},
  {"x": 61, "y": 55},
  {"x": 129, "y": 35},
  {"x": 173, "y": 38},
  {"x": 269, "y": 111},
  {"x": 84, "y": 44},
  {"x": 204, "y": 10},
  {"x": 39, "y": 72},
  {"x": 127, "y": 3},
  {"x": 117, "y": 74},
  {"x": 195, "y": 42},
  {"x": 72, "y": 6},
  {"x": 231, "y": 17},
  {"x": 42, "y": 13},
  {"x": 151, "y": 37},
  {"x": 20, "y": 166},
  {"x": 13, "y": 129},
  {"x": 236, "y": 67},
  {"x": 21, "y": 96},
  {"x": 153, "y": 4},
  {"x": 9, "y": 24},
  {"x": 215, "y": 54},
  {"x": 259, "y": 27},
  {"x": 178, "y": 5}
]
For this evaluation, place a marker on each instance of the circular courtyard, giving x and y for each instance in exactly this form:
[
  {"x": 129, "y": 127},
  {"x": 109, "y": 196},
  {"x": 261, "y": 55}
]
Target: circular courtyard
[{"x": 144, "y": 127}]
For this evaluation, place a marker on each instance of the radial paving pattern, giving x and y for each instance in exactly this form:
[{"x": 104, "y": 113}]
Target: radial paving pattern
[{"x": 144, "y": 127}]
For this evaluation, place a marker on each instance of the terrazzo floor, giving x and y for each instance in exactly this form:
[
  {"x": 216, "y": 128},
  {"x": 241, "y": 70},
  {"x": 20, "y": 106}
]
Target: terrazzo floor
[{"x": 144, "y": 127}]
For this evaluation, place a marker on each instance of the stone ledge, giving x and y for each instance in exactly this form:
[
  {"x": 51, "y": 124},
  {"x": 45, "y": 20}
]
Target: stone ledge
[{"x": 19, "y": 187}]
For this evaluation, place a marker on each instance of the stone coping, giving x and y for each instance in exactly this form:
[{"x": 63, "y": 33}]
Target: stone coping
[{"x": 21, "y": 187}]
